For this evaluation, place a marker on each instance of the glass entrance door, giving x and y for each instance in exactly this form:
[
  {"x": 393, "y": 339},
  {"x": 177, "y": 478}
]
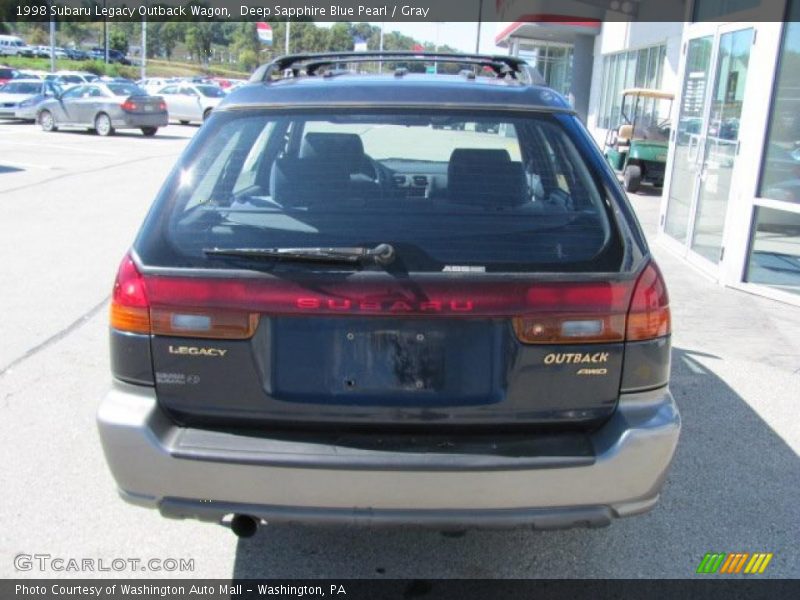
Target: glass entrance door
[{"x": 707, "y": 141}]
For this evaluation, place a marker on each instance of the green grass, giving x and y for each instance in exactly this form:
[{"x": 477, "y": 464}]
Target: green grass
[{"x": 155, "y": 68}]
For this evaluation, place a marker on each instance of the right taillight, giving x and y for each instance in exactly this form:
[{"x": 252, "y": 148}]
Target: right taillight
[{"x": 648, "y": 316}]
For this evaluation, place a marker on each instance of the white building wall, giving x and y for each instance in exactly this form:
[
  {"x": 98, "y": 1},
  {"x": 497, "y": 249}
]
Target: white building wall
[{"x": 621, "y": 36}]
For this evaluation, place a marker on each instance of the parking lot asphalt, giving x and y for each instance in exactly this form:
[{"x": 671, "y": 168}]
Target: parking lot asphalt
[{"x": 71, "y": 203}]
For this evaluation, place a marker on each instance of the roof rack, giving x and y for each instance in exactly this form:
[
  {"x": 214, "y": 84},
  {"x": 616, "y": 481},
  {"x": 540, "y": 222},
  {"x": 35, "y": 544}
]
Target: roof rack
[{"x": 309, "y": 64}]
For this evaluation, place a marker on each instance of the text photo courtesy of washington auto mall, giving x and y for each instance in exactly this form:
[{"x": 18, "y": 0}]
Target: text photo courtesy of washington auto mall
[{"x": 415, "y": 299}]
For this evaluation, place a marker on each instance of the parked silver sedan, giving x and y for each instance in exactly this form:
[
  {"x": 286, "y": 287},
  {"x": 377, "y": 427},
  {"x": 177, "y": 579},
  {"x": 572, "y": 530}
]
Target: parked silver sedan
[
  {"x": 20, "y": 98},
  {"x": 104, "y": 108},
  {"x": 189, "y": 102}
]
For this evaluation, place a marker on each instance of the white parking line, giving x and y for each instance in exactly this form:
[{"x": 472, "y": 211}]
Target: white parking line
[{"x": 58, "y": 147}]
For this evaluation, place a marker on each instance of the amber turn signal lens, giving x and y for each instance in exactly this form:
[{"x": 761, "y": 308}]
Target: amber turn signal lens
[{"x": 130, "y": 318}]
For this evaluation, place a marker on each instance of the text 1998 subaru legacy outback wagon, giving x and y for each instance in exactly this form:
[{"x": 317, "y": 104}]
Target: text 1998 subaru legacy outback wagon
[{"x": 391, "y": 298}]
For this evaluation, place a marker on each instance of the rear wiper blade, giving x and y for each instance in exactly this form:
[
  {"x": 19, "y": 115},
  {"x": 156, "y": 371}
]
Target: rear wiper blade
[{"x": 382, "y": 254}]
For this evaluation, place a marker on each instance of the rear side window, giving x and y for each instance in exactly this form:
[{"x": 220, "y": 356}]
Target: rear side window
[
  {"x": 452, "y": 192},
  {"x": 211, "y": 91}
]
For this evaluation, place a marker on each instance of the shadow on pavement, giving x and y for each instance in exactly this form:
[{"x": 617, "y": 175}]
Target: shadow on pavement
[
  {"x": 122, "y": 133},
  {"x": 732, "y": 488},
  {"x": 8, "y": 169}
]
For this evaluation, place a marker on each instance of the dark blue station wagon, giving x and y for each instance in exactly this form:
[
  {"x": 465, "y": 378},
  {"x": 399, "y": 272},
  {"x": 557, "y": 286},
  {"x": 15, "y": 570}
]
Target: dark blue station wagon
[{"x": 391, "y": 298}]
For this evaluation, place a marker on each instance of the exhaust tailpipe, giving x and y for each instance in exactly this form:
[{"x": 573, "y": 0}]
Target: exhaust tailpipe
[{"x": 244, "y": 526}]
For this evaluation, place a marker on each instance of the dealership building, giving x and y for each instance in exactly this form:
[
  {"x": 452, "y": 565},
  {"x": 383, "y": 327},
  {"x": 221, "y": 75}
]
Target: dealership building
[{"x": 731, "y": 199}]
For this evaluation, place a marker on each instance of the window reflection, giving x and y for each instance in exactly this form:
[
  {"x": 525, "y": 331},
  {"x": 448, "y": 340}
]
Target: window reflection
[
  {"x": 637, "y": 68},
  {"x": 780, "y": 175},
  {"x": 775, "y": 250}
]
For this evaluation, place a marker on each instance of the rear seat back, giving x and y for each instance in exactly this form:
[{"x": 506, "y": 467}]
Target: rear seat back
[
  {"x": 486, "y": 178},
  {"x": 303, "y": 182}
]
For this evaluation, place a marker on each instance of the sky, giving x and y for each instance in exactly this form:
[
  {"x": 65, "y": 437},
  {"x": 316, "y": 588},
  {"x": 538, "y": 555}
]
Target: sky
[{"x": 460, "y": 35}]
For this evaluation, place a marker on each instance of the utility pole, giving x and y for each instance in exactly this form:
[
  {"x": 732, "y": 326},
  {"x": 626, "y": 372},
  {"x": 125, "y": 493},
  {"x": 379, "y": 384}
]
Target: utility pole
[
  {"x": 144, "y": 48},
  {"x": 380, "y": 63},
  {"x": 105, "y": 32},
  {"x": 288, "y": 28},
  {"x": 436, "y": 47},
  {"x": 52, "y": 45},
  {"x": 478, "y": 37}
]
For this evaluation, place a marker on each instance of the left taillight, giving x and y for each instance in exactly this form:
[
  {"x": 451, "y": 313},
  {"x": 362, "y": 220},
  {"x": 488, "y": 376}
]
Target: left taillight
[
  {"x": 128, "y": 106},
  {"x": 130, "y": 309}
]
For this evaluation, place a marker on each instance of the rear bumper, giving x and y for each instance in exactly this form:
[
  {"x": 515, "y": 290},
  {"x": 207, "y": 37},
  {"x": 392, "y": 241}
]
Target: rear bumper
[
  {"x": 206, "y": 475},
  {"x": 137, "y": 120}
]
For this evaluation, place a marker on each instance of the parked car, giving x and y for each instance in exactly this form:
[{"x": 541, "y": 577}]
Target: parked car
[
  {"x": 336, "y": 313},
  {"x": 41, "y": 51},
  {"x": 109, "y": 79},
  {"x": 191, "y": 102},
  {"x": 77, "y": 54},
  {"x": 235, "y": 83},
  {"x": 104, "y": 107},
  {"x": 114, "y": 56},
  {"x": 155, "y": 84},
  {"x": 67, "y": 79},
  {"x": 20, "y": 98},
  {"x": 7, "y": 74},
  {"x": 11, "y": 45}
]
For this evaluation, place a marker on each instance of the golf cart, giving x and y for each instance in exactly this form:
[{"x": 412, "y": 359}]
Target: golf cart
[{"x": 638, "y": 148}]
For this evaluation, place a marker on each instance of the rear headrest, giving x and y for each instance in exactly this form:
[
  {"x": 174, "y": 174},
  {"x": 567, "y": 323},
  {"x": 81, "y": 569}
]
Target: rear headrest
[
  {"x": 479, "y": 156},
  {"x": 339, "y": 146},
  {"x": 308, "y": 181},
  {"x": 485, "y": 178}
]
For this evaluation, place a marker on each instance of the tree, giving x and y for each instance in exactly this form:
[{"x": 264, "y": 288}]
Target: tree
[
  {"x": 76, "y": 32},
  {"x": 171, "y": 33},
  {"x": 38, "y": 36},
  {"x": 117, "y": 40},
  {"x": 339, "y": 38},
  {"x": 198, "y": 38},
  {"x": 244, "y": 38},
  {"x": 248, "y": 59}
]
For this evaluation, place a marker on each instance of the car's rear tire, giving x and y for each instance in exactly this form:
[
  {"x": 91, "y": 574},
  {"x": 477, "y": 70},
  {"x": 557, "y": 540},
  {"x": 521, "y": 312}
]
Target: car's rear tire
[
  {"x": 632, "y": 178},
  {"x": 149, "y": 131},
  {"x": 47, "y": 121},
  {"x": 102, "y": 125}
]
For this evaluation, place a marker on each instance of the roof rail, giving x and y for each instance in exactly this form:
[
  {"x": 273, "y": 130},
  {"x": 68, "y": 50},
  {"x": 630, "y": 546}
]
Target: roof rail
[{"x": 309, "y": 64}]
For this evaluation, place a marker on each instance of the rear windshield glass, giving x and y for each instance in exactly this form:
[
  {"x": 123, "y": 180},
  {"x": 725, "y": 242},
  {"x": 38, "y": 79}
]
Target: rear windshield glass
[
  {"x": 451, "y": 192},
  {"x": 21, "y": 87},
  {"x": 125, "y": 89}
]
